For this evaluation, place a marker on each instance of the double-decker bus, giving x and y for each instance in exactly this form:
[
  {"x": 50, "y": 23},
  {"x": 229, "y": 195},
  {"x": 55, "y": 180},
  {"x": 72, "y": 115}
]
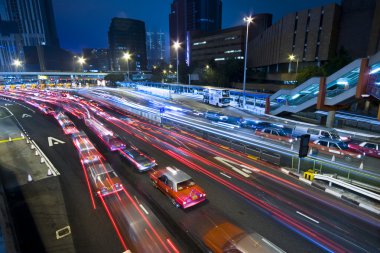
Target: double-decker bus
[{"x": 217, "y": 97}]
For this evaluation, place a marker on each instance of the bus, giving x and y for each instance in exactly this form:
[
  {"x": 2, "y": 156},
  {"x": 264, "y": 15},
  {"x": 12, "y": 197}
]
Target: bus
[{"x": 217, "y": 97}]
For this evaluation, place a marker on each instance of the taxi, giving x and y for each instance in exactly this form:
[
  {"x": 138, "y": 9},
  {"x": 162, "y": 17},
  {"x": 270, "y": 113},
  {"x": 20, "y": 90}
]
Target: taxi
[
  {"x": 178, "y": 186},
  {"x": 275, "y": 134}
]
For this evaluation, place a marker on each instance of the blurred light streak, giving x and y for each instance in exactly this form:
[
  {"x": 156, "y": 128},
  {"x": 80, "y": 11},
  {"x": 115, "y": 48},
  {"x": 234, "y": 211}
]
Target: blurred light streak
[{"x": 113, "y": 223}]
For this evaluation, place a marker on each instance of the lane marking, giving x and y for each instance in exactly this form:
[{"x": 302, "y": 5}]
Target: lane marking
[
  {"x": 229, "y": 164},
  {"x": 13, "y": 139},
  {"x": 53, "y": 141},
  {"x": 26, "y": 116},
  {"x": 143, "y": 208},
  {"x": 304, "y": 215},
  {"x": 225, "y": 175}
]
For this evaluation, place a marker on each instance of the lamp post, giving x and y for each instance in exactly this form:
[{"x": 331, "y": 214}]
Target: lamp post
[
  {"x": 249, "y": 20},
  {"x": 81, "y": 61},
  {"x": 127, "y": 57},
  {"x": 291, "y": 58},
  {"x": 17, "y": 63},
  {"x": 176, "y": 46}
]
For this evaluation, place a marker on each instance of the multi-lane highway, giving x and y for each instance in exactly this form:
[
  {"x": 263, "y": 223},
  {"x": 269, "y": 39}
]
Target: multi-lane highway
[{"x": 252, "y": 194}]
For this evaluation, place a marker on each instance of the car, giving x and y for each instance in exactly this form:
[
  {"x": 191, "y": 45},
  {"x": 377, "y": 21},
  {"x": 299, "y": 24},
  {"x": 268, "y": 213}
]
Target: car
[
  {"x": 226, "y": 237},
  {"x": 336, "y": 148},
  {"x": 90, "y": 156},
  {"x": 275, "y": 134},
  {"x": 113, "y": 142},
  {"x": 81, "y": 142},
  {"x": 255, "y": 124},
  {"x": 178, "y": 186},
  {"x": 216, "y": 116},
  {"x": 103, "y": 178},
  {"x": 368, "y": 148},
  {"x": 141, "y": 161},
  {"x": 48, "y": 110}
]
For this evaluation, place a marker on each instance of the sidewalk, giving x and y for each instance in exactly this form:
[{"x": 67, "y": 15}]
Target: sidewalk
[
  {"x": 356, "y": 199},
  {"x": 33, "y": 198}
]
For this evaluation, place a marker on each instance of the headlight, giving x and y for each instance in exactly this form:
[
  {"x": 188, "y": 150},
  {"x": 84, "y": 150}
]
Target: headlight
[
  {"x": 359, "y": 156},
  {"x": 291, "y": 140}
]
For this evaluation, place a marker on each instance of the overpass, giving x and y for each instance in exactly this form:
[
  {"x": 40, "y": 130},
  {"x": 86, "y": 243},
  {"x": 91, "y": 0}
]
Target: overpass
[{"x": 359, "y": 79}]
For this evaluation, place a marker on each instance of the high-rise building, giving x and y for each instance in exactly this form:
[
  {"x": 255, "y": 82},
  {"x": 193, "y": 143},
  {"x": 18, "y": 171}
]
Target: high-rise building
[
  {"x": 25, "y": 23},
  {"x": 156, "y": 48},
  {"x": 97, "y": 59},
  {"x": 192, "y": 15},
  {"x": 127, "y": 35}
]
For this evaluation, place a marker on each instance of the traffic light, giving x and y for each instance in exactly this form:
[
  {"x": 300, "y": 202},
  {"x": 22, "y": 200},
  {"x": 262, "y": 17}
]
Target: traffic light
[{"x": 304, "y": 145}]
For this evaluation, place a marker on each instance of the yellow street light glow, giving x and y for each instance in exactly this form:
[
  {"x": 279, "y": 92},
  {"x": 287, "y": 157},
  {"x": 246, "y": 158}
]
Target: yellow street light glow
[
  {"x": 170, "y": 66},
  {"x": 248, "y": 19},
  {"x": 176, "y": 45},
  {"x": 164, "y": 71},
  {"x": 17, "y": 63},
  {"x": 292, "y": 57},
  {"x": 207, "y": 66},
  {"x": 127, "y": 56},
  {"x": 81, "y": 60}
]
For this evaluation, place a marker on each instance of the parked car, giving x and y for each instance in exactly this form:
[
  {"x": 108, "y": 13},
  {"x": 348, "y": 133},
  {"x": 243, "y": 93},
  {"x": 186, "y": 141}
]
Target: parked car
[
  {"x": 319, "y": 132},
  {"x": 368, "y": 148},
  {"x": 178, "y": 186},
  {"x": 275, "y": 134},
  {"x": 337, "y": 148},
  {"x": 216, "y": 116}
]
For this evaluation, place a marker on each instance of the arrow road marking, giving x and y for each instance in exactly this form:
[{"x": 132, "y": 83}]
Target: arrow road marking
[
  {"x": 26, "y": 115},
  {"x": 53, "y": 141}
]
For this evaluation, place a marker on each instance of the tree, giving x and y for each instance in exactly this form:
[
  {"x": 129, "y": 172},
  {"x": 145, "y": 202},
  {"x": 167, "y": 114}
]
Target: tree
[
  {"x": 309, "y": 72},
  {"x": 337, "y": 62},
  {"x": 114, "y": 77}
]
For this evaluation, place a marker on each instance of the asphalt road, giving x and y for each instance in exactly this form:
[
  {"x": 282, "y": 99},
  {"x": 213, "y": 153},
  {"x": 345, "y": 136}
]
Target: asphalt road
[
  {"x": 338, "y": 221},
  {"x": 91, "y": 229}
]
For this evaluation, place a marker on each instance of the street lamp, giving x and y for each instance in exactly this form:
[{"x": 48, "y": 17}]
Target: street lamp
[
  {"x": 81, "y": 61},
  {"x": 17, "y": 63},
  {"x": 291, "y": 58},
  {"x": 176, "y": 46},
  {"x": 249, "y": 20},
  {"x": 127, "y": 57}
]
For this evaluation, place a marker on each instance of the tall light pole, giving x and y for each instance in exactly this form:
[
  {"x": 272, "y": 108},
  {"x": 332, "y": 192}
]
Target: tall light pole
[
  {"x": 291, "y": 58},
  {"x": 249, "y": 20},
  {"x": 81, "y": 61},
  {"x": 127, "y": 57},
  {"x": 176, "y": 46},
  {"x": 17, "y": 63}
]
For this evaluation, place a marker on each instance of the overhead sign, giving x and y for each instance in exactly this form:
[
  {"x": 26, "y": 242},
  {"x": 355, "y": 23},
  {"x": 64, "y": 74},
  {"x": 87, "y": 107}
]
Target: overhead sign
[{"x": 53, "y": 141}]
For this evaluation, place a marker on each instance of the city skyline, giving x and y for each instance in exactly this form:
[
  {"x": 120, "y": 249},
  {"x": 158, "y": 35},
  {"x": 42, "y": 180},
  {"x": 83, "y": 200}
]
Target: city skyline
[{"x": 92, "y": 33}]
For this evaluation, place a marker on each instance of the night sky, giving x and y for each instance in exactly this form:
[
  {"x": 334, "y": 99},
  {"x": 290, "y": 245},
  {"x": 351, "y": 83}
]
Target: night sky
[{"x": 84, "y": 23}]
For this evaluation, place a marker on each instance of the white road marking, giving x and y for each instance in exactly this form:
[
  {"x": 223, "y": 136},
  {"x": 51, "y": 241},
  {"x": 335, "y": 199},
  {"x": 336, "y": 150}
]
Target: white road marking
[
  {"x": 26, "y": 115},
  {"x": 53, "y": 141},
  {"x": 229, "y": 164},
  {"x": 225, "y": 175},
  {"x": 304, "y": 215},
  {"x": 143, "y": 208}
]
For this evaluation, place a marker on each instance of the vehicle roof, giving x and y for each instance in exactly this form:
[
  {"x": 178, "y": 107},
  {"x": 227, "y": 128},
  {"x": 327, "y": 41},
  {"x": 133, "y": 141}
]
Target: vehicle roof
[
  {"x": 328, "y": 139},
  {"x": 99, "y": 167},
  {"x": 273, "y": 128},
  {"x": 175, "y": 175}
]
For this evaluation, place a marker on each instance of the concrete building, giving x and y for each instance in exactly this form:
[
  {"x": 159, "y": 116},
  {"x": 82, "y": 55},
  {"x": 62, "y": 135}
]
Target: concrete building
[
  {"x": 313, "y": 37},
  {"x": 310, "y": 35},
  {"x": 192, "y": 15},
  {"x": 155, "y": 48},
  {"x": 127, "y": 35},
  {"x": 225, "y": 44},
  {"x": 24, "y": 23},
  {"x": 47, "y": 58},
  {"x": 97, "y": 59}
]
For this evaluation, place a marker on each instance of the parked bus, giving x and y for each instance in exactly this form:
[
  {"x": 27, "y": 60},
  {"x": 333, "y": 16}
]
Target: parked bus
[{"x": 217, "y": 97}]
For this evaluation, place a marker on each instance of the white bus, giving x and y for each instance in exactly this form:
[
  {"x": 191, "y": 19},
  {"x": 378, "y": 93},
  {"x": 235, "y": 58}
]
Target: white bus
[{"x": 217, "y": 97}]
